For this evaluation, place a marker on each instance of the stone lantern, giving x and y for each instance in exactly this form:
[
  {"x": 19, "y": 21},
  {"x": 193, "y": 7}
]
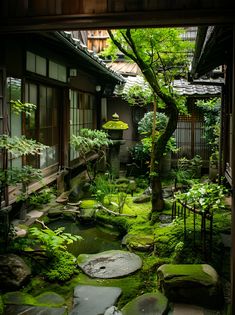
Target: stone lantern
[{"x": 115, "y": 129}]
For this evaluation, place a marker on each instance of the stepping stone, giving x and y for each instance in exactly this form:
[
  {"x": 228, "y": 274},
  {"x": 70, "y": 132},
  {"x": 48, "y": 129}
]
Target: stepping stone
[
  {"x": 147, "y": 304},
  {"x": 94, "y": 300},
  {"x": 109, "y": 264},
  {"x": 47, "y": 303},
  {"x": 183, "y": 309},
  {"x": 192, "y": 284}
]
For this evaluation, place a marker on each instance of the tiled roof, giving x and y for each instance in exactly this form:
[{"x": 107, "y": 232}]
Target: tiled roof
[
  {"x": 182, "y": 87},
  {"x": 82, "y": 48},
  {"x": 124, "y": 68},
  {"x": 130, "y": 81}
]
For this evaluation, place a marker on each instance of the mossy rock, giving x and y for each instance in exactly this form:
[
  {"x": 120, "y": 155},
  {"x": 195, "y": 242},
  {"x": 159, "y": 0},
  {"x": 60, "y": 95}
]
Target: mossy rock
[
  {"x": 87, "y": 215},
  {"x": 19, "y": 298},
  {"x": 142, "y": 199},
  {"x": 150, "y": 303},
  {"x": 139, "y": 242},
  {"x": 88, "y": 204},
  {"x": 195, "y": 284},
  {"x": 50, "y": 299}
]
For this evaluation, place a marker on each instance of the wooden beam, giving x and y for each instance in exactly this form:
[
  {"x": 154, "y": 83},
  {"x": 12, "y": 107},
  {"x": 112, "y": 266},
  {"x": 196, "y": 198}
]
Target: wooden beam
[{"x": 157, "y": 18}]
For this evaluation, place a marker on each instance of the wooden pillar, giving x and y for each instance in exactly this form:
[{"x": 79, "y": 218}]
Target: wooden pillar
[{"x": 233, "y": 182}]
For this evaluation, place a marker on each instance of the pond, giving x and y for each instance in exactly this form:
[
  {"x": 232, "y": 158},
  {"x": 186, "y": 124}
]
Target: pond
[{"x": 95, "y": 238}]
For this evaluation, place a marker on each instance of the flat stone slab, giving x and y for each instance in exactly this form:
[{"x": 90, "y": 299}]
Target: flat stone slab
[
  {"x": 184, "y": 309},
  {"x": 192, "y": 284},
  {"x": 94, "y": 300},
  {"x": 109, "y": 264},
  {"x": 47, "y": 303},
  {"x": 147, "y": 304}
]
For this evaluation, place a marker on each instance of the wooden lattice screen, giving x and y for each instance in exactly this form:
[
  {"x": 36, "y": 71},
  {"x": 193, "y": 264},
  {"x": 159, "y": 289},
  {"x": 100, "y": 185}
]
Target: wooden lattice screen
[{"x": 190, "y": 139}]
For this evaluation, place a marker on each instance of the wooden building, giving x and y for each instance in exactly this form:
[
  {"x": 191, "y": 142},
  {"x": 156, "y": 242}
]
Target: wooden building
[{"x": 57, "y": 73}]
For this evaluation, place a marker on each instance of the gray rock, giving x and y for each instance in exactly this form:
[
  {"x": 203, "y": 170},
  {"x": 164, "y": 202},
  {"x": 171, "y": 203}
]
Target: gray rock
[
  {"x": 14, "y": 272},
  {"x": 148, "y": 191},
  {"x": 142, "y": 199},
  {"x": 109, "y": 264},
  {"x": 194, "y": 284},
  {"x": 94, "y": 300},
  {"x": 113, "y": 310},
  {"x": 147, "y": 304}
]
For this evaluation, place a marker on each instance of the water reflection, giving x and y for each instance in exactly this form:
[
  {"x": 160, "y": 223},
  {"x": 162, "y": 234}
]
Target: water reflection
[{"x": 95, "y": 239}]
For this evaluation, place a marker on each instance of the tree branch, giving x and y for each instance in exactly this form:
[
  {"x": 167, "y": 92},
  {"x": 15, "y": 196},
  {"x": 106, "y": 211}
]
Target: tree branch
[{"x": 120, "y": 47}]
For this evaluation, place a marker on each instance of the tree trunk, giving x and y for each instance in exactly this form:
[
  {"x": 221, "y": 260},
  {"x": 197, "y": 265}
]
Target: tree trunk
[{"x": 157, "y": 198}]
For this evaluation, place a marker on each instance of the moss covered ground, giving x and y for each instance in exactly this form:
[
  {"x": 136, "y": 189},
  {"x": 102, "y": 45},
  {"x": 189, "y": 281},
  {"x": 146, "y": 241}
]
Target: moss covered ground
[{"x": 171, "y": 245}]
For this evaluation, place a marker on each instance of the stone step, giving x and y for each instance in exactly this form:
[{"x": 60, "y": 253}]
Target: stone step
[{"x": 187, "y": 309}]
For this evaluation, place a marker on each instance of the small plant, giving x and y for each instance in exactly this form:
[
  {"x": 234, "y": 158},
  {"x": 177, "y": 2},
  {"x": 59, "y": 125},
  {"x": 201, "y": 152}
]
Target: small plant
[
  {"x": 20, "y": 146},
  {"x": 90, "y": 141},
  {"x": 121, "y": 199},
  {"x": 18, "y": 107},
  {"x": 51, "y": 241},
  {"x": 37, "y": 199},
  {"x": 188, "y": 170},
  {"x": 207, "y": 197},
  {"x": 103, "y": 188}
]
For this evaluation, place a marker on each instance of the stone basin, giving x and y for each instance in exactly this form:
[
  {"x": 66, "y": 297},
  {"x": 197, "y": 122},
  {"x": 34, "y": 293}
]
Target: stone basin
[{"x": 109, "y": 264}]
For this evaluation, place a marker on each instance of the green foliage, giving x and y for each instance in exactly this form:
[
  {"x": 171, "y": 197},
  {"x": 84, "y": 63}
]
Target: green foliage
[
  {"x": 61, "y": 267},
  {"x": 139, "y": 95},
  {"x": 165, "y": 49},
  {"x": 103, "y": 187},
  {"x": 23, "y": 175},
  {"x": 188, "y": 170},
  {"x": 51, "y": 241},
  {"x": 90, "y": 140},
  {"x": 20, "y": 146},
  {"x": 211, "y": 113},
  {"x": 121, "y": 198},
  {"x": 176, "y": 257},
  {"x": 145, "y": 125},
  {"x": 18, "y": 107},
  {"x": 141, "y": 152},
  {"x": 207, "y": 197},
  {"x": 44, "y": 196}
]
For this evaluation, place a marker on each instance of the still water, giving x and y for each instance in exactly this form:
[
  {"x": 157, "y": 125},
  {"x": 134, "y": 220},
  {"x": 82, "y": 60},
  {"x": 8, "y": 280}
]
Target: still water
[{"x": 95, "y": 238}]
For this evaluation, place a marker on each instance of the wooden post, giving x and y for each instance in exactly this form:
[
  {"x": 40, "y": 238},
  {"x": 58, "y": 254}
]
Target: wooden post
[{"x": 233, "y": 182}]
